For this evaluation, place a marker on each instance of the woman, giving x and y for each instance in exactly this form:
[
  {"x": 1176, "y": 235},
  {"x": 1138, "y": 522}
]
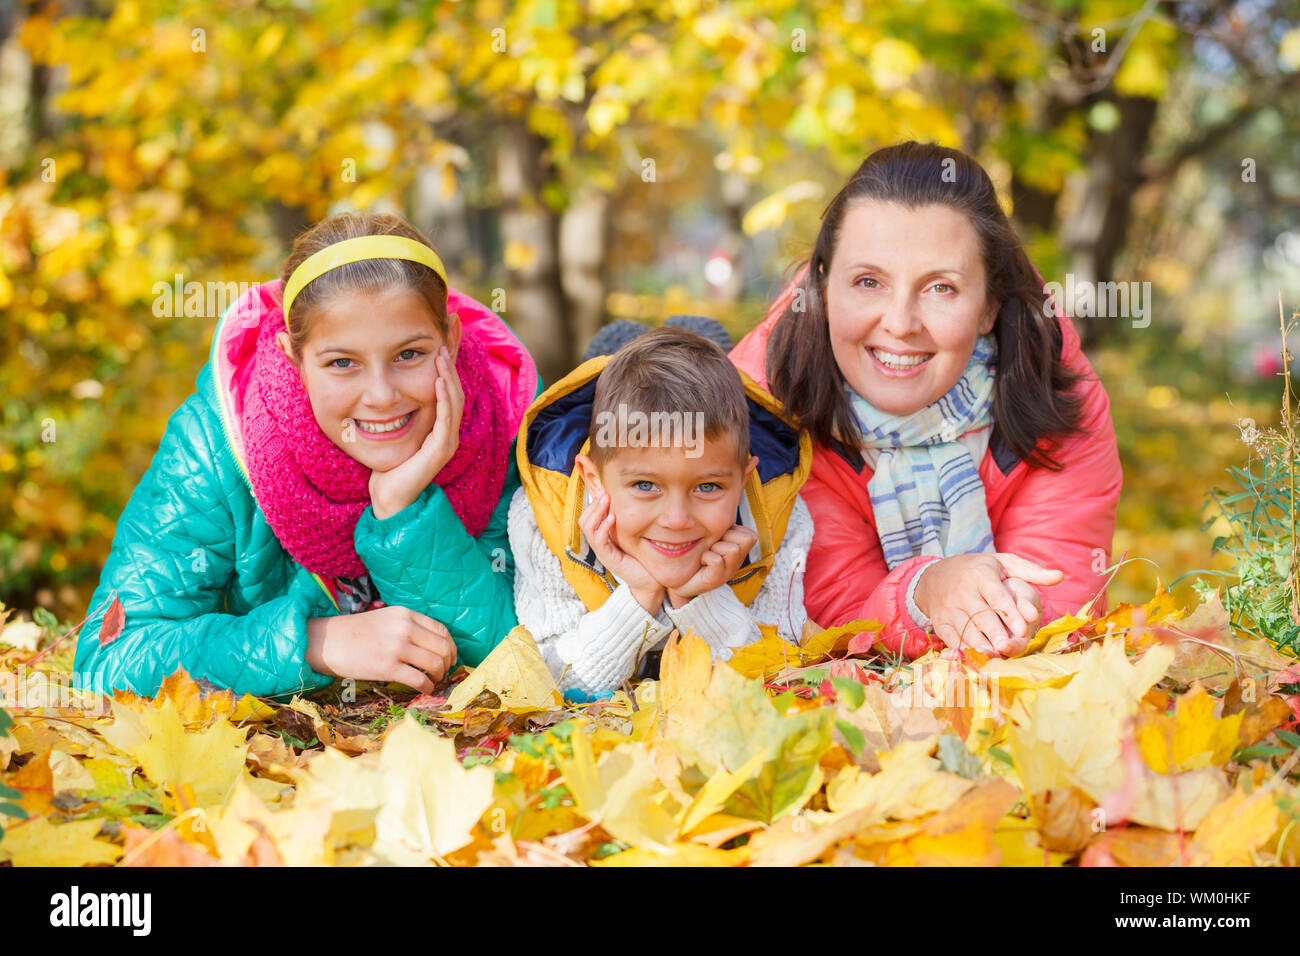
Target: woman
[{"x": 965, "y": 473}]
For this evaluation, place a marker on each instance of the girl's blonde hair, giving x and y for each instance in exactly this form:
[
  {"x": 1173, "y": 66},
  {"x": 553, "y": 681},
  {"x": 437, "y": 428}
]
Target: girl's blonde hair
[{"x": 367, "y": 275}]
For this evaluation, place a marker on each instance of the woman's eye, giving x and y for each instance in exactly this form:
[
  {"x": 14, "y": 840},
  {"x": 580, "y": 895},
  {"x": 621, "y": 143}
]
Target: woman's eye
[
  {"x": 873, "y": 282},
  {"x": 942, "y": 287}
]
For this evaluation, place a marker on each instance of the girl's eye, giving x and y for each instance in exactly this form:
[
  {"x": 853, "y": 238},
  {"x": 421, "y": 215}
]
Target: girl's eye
[
  {"x": 414, "y": 352},
  {"x": 335, "y": 364},
  {"x": 644, "y": 486}
]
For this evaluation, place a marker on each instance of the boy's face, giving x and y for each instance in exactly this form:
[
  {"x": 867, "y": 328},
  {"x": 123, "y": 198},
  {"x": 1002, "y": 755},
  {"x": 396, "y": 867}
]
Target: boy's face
[{"x": 669, "y": 508}]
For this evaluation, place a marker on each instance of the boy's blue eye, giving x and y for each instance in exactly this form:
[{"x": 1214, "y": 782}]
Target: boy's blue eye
[
  {"x": 648, "y": 486},
  {"x": 708, "y": 487}
]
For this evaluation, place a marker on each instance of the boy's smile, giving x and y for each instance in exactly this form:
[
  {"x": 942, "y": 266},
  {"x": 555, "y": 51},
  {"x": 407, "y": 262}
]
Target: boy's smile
[{"x": 668, "y": 508}]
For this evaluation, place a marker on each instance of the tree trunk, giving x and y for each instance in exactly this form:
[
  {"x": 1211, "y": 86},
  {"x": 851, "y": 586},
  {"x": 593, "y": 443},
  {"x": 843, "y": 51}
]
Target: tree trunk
[
  {"x": 1095, "y": 232},
  {"x": 584, "y": 244},
  {"x": 534, "y": 300}
]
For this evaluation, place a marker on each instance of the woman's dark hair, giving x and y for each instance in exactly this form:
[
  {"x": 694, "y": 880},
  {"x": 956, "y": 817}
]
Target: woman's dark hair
[{"x": 1032, "y": 393}]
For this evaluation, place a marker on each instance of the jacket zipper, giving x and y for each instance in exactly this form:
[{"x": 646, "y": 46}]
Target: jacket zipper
[{"x": 230, "y": 446}]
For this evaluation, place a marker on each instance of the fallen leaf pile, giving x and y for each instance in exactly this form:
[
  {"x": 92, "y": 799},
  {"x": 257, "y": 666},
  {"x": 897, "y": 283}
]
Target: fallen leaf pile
[{"x": 1146, "y": 737}]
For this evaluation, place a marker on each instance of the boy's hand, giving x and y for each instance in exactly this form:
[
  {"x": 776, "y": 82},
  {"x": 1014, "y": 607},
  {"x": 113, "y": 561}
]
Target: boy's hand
[
  {"x": 718, "y": 565},
  {"x": 597, "y": 524},
  {"x": 395, "y": 489}
]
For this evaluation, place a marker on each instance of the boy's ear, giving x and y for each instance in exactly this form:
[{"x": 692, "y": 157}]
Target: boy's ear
[
  {"x": 590, "y": 476},
  {"x": 749, "y": 469}
]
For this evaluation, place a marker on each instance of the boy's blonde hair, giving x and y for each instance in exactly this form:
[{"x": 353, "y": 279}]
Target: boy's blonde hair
[
  {"x": 367, "y": 275},
  {"x": 670, "y": 371}
]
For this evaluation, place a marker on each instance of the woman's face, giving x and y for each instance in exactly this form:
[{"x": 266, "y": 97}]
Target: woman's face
[
  {"x": 368, "y": 367},
  {"x": 905, "y": 299}
]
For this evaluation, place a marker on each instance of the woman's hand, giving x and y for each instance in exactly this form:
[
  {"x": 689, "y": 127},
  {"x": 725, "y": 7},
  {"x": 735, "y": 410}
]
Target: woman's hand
[
  {"x": 984, "y": 601},
  {"x": 397, "y": 488},
  {"x": 387, "y": 644},
  {"x": 597, "y": 524},
  {"x": 718, "y": 565}
]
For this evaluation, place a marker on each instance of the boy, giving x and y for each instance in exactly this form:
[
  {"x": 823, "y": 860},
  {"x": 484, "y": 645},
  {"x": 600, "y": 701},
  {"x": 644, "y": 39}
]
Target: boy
[{"x": 643, "y": 510}]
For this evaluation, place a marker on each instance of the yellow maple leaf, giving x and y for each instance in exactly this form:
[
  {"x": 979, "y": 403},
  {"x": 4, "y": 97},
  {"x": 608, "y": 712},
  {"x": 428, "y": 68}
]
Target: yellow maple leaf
[
  {"x": 209, "y": 759},
  {"x": 1234, "y": 829},
  {"x": 423, "y": 804},
  {"x": 1191, "y": 739},
  {"x": 515, "y": 671},
  {"x": 1072, "y": 737},
  {"x": 41, "y": 843}
]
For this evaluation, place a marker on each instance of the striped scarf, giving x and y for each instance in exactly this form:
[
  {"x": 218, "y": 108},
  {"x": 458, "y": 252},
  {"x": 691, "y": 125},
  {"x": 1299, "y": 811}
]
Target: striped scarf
[{"x": 926, "y": 492}]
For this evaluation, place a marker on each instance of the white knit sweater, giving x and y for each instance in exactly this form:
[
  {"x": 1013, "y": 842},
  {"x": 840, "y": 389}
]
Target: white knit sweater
[{"x": 596, "y": 651}]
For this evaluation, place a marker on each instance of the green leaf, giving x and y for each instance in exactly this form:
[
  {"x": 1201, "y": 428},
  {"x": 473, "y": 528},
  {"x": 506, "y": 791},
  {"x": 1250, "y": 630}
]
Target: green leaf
[
  {"x": 9, "y": 793},
  {"x": 849, "y": 691},
  {"x": 1000, "y": 754},
  {"x": 13, "y": 810},
  {"x": 955, "y": 758},
  {"x": 854, "y": 737},
  {"x": 45, "y": 619},
  {"x": 1289, "y": 736}
]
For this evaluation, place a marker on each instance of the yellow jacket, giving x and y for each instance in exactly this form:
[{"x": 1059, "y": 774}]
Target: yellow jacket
[{"x": 554, "y": 430}]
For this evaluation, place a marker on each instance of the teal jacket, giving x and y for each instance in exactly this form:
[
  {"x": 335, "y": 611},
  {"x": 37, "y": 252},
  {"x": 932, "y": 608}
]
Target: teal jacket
[{"x": 204, "y": 582}]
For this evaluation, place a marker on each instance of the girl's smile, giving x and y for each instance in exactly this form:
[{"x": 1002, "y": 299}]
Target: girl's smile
[{"x": 370, "y": 373}]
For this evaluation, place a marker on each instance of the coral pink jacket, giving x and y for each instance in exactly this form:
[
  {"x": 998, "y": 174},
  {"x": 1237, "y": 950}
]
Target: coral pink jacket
[{"x": 1059, "y": 519}]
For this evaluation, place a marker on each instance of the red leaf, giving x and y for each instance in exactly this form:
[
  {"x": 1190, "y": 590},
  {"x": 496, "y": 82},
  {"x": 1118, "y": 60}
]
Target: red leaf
[{"x": 114, "y": 618}]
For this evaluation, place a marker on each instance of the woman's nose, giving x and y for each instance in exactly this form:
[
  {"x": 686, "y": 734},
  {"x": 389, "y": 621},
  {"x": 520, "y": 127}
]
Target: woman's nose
[{"x": 900, "y": 318}]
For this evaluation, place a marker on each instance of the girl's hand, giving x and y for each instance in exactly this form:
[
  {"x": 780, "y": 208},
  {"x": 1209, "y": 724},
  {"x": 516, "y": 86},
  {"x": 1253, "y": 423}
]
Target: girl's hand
[
  {"x": 718, "y": 565},
  {"x": 387, "y": 644},
  {"x": 971, "y": 605},
  {"x": 395, "y": 489},
  {"x": 597, "y": 524}
]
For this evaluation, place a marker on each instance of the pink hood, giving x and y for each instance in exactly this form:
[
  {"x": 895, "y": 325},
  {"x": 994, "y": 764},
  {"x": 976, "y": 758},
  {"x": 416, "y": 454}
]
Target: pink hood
[{"x": 234, "y": 344}]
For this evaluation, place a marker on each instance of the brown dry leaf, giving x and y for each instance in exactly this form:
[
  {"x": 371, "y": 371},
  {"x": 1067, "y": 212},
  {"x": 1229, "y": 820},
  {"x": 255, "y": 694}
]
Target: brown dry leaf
[
  {"x": 272, "y": 757},
  {"x": 1260, "y": 720},
  {"x": 1215, "y": 656},
  {"x": 1065, "y": 818},
  {"x": 886, "y": 719},
  {"x": 1138, "y": 846}
]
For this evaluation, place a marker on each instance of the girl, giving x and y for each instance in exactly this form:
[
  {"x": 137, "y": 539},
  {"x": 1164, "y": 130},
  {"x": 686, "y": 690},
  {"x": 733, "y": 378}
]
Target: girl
[
  {"x": 965, "y": 473},
  {"x": 332, "y": 500}
]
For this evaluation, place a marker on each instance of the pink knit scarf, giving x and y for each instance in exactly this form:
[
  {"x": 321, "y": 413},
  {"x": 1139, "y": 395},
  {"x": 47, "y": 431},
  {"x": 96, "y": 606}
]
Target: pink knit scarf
[{"x": 312, "y": 492}]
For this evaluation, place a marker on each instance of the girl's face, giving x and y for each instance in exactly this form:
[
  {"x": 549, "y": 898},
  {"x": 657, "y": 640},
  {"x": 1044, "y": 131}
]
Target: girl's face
[
  {"x": 905, "y": 300},
  {"x": 368, "y": 367}
]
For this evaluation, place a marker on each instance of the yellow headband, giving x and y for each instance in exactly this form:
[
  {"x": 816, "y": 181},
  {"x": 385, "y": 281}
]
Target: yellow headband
[{"x": 354, "y": 250}]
